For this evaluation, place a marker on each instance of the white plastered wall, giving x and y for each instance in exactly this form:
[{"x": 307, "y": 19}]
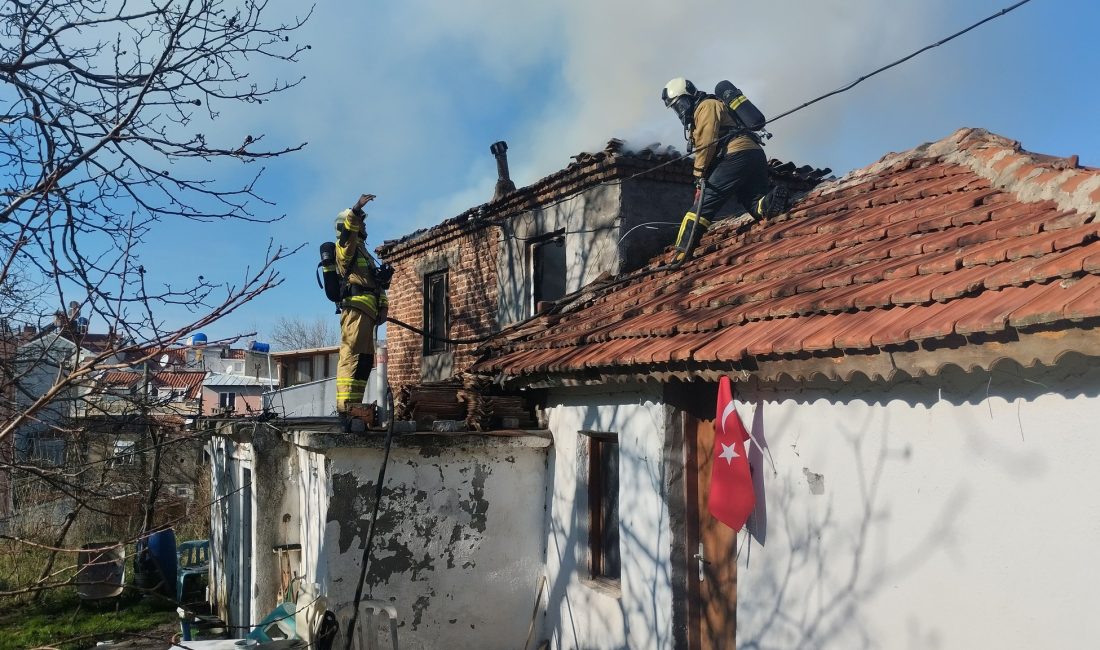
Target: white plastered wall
[
  {"x": 954, "y": 511},
  {"x": 459, "y": 542},
  {"x": 580, "y": 613}
]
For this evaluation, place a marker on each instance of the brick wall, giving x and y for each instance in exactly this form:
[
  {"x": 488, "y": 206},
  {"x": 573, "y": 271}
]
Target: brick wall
[{"x": 470, "y": 261}]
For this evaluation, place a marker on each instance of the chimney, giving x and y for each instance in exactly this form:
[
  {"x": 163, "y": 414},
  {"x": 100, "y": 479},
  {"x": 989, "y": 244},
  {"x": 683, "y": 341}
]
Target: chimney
[{"x": 504, "y": 181}]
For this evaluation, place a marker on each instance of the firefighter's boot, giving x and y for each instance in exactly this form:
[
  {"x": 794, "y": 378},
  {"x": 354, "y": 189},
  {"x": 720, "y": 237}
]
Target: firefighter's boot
[
  {"x": 774, "y": 203},
  {"x": 692, "y": 229}
]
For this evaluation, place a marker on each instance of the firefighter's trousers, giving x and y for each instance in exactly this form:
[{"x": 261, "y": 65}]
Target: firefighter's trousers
[
  {"x": 356, "y": 357},
  {"x": 742, "y": 176}
]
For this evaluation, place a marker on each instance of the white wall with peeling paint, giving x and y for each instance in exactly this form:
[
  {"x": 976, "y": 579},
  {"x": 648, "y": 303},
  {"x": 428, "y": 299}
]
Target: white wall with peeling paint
[
  {"x": 581, "y": 613},
  {"x": 956, "y": 511},
  {"x": 460, "y": 542}
]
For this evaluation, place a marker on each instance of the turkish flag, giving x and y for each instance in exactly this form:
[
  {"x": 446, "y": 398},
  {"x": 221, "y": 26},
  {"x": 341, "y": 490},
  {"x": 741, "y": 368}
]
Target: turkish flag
[{"x": 731, "y": 497}]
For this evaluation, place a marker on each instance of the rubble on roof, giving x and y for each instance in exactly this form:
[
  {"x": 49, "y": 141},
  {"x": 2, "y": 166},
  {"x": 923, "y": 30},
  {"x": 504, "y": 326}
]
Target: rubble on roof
[
  {"x": 588, "y": 169},
  {"x": 968, "y": 240}
]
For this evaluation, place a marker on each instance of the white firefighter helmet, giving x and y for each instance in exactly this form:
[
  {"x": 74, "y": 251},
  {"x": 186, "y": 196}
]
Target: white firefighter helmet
[{"x": 678, "y": 87}]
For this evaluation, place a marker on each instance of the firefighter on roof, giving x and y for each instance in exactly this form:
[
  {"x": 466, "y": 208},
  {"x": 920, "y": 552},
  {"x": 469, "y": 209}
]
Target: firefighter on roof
[
  {"x": 363, "y": 305},
  {"x": 729, "y": 161}
]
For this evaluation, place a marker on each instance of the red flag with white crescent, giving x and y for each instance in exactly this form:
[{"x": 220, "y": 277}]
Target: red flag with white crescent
[{"x": 731, "y": 498}]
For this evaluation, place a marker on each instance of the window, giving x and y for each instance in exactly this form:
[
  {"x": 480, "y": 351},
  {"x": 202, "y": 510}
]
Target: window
[
  {"x": 227, "y": 401},
  {"x": 304, "y": 369},
  {"x": 48, "y": 451},
  {"x": 603, "y": 505},
  {"x": 123, "y": 453},
  {"x": 547, "y": 270},
  {"x": 435, "y": 312}
]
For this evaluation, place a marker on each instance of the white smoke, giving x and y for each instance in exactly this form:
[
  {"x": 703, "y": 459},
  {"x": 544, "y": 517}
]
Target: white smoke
[{"x": 386, "y": 109}]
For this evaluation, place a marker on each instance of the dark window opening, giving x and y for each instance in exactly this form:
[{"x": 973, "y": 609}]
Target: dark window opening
[
  {"x": 227, "y": 400},
  {"x": 547, "y": 270},
  {"x": 603, "y": 505},
  {"x": 435, "y": 312}
]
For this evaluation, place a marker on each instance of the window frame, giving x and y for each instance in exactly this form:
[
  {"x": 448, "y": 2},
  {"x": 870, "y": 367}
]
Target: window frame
[
  {"x": 123, "y": 453},
  {"x": 232, "y": 400},
  {"x": 597, "y": 443},
  {"x": 432, "y": 345}
]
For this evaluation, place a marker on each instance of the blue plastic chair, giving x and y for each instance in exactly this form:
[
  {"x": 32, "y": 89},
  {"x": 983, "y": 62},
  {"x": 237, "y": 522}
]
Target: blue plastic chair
[
  {"x": 192, "y": 560},
  {"x": 281, "y": 617}
]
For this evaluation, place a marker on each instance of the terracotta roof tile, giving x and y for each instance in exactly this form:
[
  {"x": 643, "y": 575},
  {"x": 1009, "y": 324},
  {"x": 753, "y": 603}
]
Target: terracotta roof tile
[{"x": 923, "y": 245}]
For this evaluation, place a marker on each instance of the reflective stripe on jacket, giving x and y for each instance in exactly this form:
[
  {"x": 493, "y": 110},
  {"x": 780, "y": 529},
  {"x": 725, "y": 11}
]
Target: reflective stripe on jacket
[{"x": 356, "y": 266}]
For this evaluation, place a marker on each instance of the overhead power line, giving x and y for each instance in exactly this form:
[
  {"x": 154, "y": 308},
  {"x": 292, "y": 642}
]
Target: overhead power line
[{"x": 811, "y": 102}]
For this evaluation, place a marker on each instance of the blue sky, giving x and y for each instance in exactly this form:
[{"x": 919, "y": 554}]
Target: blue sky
[{"x": 403, "y": 99}]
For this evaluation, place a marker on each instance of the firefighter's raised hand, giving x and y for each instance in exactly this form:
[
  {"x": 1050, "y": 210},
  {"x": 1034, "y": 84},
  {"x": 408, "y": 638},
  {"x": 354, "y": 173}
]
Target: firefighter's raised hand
[{"x": 364, "y": 199}]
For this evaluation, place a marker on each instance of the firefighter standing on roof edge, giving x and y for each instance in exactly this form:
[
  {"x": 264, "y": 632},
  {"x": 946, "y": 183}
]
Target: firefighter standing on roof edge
[
  {"x": 362, "y": 307},
  {"x": 729, "y": 161}
]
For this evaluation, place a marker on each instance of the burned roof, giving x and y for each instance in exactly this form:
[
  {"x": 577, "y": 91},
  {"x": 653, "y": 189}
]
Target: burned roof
[
  {"x": 614, "y": 163},
  {"x": 966, "y": 242}
]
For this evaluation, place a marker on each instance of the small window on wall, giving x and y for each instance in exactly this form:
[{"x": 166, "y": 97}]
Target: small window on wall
[
  {"x": 227, "y": 400},
  {"x": 603, "y": 505},
  {"x": 547, "y": 270},
  {"x": 435, "y": 312},
  {"x": 123, "y": 453}
]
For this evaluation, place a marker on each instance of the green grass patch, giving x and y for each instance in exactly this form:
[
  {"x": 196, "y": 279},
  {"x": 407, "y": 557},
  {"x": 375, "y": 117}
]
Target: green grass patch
[{"x": 61, "y": 616}]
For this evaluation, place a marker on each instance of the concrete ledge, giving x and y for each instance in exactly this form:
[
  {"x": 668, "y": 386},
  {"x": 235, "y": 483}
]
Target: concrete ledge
[
  {"x": 325, "y": 439},
  {"x": 319, "y": 434}
]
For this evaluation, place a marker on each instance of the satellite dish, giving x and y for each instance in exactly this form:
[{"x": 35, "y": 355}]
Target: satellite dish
[
  {"x": 163, "y": 360},
  {"x": 229, "y": 369}
]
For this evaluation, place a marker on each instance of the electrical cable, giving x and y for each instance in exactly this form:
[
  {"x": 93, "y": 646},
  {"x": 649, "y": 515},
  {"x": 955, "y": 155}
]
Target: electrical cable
[{"x": 370, "y": 536}]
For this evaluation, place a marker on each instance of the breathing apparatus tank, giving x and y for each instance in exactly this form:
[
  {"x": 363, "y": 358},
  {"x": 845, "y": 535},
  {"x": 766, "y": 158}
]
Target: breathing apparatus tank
[
  {"x": 330, "y": 279},
  {"x": 743, "y": 111}
]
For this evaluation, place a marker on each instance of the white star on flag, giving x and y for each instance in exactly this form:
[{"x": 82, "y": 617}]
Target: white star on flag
[{"x": 728, "y": 453}]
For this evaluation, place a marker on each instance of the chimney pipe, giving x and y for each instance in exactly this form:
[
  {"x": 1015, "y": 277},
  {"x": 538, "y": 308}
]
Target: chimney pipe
[{"x": 504, "y": 181}]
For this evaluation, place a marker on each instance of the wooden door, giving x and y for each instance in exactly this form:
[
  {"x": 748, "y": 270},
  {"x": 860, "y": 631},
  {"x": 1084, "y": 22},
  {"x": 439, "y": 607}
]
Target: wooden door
[{"x": 712, "y": 549}]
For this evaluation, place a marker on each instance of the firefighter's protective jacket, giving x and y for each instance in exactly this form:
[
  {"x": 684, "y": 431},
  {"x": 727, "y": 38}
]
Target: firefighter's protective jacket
[
  {"x": 712, "y": 121},
  {"x": 356, "y": 266}
]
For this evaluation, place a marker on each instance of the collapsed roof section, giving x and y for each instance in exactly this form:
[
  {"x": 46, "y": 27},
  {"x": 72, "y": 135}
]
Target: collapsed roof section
[
  {"x": 968, "y": 250},
  {"x": 613, "y": 164}
]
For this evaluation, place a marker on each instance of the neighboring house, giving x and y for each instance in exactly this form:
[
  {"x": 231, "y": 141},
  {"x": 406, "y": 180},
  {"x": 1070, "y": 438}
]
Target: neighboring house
[
  {"x": 307, "y": 383},
  {"x": 161, "y": 392},
  {"x": 295, "y": 367},
  {"x": 234, "y": 394},
  {"x": 40, "y": 358},
  {"x": 915, "y": 352}
]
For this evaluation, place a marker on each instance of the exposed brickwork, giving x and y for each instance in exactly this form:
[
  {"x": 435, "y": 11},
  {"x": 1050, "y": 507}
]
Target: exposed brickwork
[{"x": 470, "y": 259}]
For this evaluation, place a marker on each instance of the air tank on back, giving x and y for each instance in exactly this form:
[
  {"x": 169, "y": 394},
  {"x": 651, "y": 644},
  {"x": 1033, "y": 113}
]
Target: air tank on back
[{"x": 744, "y": 111}]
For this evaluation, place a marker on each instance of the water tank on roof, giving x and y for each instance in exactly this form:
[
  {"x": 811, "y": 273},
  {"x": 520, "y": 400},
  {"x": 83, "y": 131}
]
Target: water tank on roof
[
  {"x": 262, "y": 348},
  {"x": 198, "y": 338}
]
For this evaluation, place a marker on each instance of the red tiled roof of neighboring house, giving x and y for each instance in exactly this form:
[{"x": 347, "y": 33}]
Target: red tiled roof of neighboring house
[
  {"x": 176, "y": 356},
  {"x": 587, "y": 170},
  {"x": 963, "y": 243},
  {"x": 189, "y": 380}
]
